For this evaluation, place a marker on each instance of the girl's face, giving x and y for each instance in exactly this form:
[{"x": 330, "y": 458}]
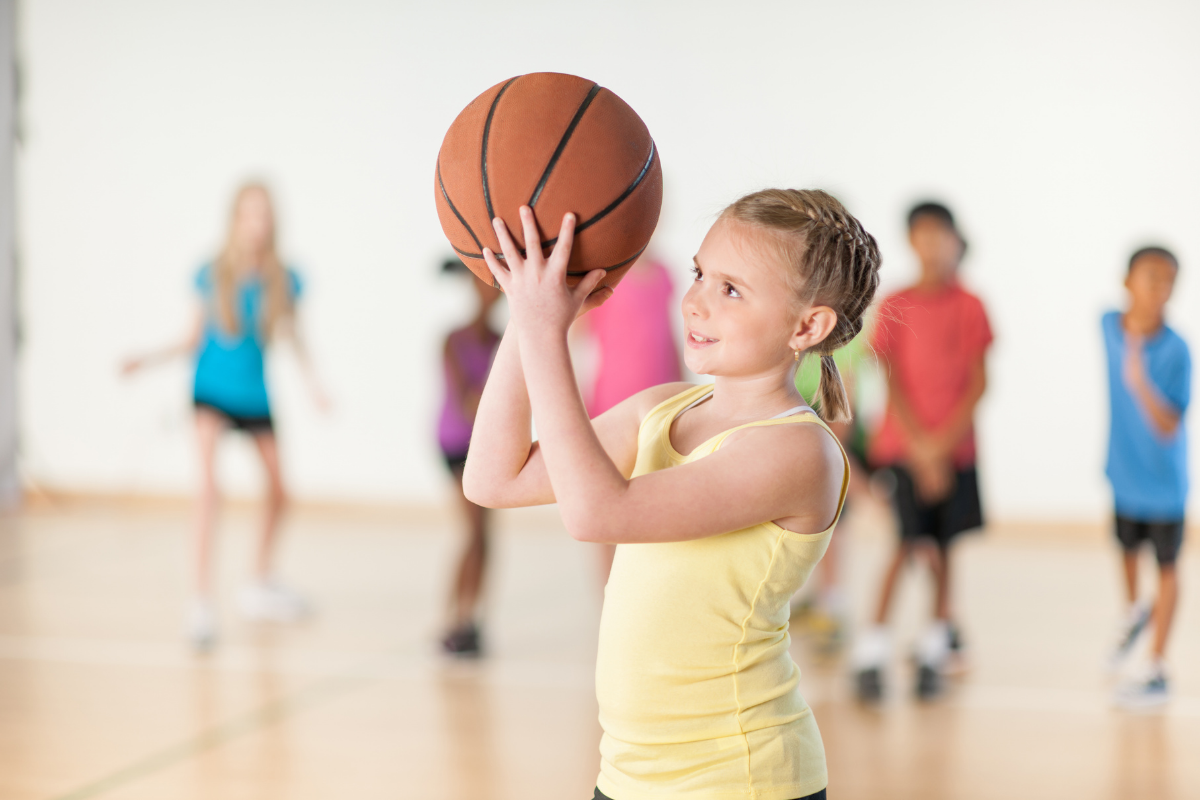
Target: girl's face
[
  {"x": 739, "y": 314},
  {"x": 253, "y": 222}
]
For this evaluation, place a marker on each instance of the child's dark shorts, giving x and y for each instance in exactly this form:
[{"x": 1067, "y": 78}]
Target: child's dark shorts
[
  {"x": 455, "y": 462},
  {"x": 1166, "y": 536},
  {"x": 941, "y": 521},
  {"x": 253, "y": 425}
]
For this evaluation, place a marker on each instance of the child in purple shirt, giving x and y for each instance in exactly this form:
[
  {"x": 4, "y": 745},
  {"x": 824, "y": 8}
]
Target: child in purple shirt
[{"x": 466, "y": 359}]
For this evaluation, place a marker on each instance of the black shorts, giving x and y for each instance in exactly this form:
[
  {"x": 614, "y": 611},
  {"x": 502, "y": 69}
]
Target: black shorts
[
  {"x": 253, "y": 425},
  {"x": 941, "y": 521},
  {"x": 1166, "y": 536},
  {"x": 456, "y": 463},
  {"x": 599, "y": 795}
]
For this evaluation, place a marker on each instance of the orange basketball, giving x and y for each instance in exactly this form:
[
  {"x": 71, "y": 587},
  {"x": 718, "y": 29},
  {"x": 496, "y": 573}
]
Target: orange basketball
[{"x": 557, "y": 143}]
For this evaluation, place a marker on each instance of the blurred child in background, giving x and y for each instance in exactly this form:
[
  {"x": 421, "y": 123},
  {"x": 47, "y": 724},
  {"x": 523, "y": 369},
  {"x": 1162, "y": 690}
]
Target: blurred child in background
[
  {"x": 931, "y": 339},
  {"x": 636, "y": 347},
  {"x": 246, "y": 300},
  {"x": 466, "y": 359},
  {"x": 1149, "y": 385}
]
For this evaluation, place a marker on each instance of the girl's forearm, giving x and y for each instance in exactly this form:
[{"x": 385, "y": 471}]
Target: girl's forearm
[
  {"x": 584, "y": 477},
  {"x": 501, "y": 437}
]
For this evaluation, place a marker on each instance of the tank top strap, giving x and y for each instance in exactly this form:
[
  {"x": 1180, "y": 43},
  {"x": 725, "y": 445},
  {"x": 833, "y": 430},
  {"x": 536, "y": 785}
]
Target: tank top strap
[{"x": 665, "y": 412}]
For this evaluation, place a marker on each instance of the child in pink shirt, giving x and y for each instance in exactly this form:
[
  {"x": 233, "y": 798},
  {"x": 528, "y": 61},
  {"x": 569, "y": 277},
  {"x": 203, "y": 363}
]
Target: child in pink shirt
[
  {"x": 930, "y": 339},
  {"x": 633, "y": 334}
]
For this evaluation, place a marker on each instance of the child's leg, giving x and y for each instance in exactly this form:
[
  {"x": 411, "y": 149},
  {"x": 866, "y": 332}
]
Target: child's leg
[
  {"x": 890, "y": 575},
  {"x": 1129, "y": 560},
  {"x": 276, "y": 501},
  {"x": 468, "y": 585},
  {"x": 209, "y": 426},
  {"x": 940, "y": 564},
  {"x": 1164, "y": 609},
  {"x": 1167, "y": 538}
]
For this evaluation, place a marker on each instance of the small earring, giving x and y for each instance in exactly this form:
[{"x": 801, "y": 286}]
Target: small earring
[{"x": 796, "y": 353}]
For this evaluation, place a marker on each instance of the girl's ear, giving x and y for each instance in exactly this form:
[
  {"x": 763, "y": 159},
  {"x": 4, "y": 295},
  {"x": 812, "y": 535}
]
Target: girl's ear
[{"x": 813, "y": 327}]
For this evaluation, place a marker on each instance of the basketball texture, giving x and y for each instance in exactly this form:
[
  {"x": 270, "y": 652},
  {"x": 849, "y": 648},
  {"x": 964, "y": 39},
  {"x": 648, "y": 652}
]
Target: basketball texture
[{"x": 560, "y": 144}]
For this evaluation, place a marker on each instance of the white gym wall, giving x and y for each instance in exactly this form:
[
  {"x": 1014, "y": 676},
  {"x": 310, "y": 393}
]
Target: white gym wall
[{"x": 1062, "y": 134}]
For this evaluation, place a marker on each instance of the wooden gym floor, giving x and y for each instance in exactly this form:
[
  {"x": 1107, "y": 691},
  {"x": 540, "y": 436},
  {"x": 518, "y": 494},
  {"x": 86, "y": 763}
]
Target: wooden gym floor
[{"x": 99, "y": 698}]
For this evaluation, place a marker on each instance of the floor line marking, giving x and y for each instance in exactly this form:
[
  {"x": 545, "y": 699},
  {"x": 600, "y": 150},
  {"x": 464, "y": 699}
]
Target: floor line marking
[{"x": 253, "y": 721}]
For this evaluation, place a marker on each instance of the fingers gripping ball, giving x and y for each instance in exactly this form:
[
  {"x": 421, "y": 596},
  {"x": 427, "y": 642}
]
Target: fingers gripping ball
[{"x": 559, "y": 144}]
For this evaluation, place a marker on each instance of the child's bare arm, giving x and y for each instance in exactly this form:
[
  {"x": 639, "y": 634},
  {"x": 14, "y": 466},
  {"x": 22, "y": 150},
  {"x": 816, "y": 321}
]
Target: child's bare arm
[
  {"x": 1163, "y": 416},
  {"x": 914, "y": 434},
  {"x": 291, "y": 328},
  {"x": 187, "y": 344},
  {"x": 948, "y": 437},
  {"x": 752, "y": 478}
]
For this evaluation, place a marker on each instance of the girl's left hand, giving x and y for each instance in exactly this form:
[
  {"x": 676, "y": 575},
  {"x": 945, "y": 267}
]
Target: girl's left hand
[{"x": 536, "y": 286}]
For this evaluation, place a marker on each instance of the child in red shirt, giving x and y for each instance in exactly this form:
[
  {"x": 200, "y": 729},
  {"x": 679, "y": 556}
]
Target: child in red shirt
[{"x": 931, "y": 339}]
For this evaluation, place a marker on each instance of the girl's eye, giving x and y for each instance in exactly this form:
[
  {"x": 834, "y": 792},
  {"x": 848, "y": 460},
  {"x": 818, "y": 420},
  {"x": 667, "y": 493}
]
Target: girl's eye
[
  {"x": 732, "y": 292},
  {"x": 696, "y": 271}
]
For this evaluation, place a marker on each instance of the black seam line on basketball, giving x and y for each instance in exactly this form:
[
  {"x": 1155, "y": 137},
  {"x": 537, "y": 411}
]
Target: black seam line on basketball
[
  {"x": 624, "y": 195},
  {"x": 562, "y": 143},
  {"x": 500, "y": 256},
  {"x": 442, "y": 186},
  {"x": 487, "y": 130}
]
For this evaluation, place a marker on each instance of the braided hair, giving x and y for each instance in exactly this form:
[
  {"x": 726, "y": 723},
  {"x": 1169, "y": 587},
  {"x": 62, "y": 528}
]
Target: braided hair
[{"x": 833, "y": 262}]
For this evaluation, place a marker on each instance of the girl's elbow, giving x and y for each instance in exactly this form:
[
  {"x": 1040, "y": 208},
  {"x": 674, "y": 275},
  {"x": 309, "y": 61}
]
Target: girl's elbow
[
  {"x": 584, "y": 533},
  {"x": 476, "y": 489},
  {"x": 598, "y": 528}
]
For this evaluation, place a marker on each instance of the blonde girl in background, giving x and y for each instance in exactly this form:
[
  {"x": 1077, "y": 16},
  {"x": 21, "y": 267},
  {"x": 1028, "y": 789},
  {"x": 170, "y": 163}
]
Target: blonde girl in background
[
  {"x": 720, "y": 498},
  {"x": 246, "y": 300}
]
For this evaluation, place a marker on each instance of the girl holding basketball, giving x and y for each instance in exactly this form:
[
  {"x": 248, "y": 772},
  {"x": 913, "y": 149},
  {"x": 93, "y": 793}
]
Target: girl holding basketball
[
  {"x": 721, "y": 498},
  {"x": 246, "y": 299}
]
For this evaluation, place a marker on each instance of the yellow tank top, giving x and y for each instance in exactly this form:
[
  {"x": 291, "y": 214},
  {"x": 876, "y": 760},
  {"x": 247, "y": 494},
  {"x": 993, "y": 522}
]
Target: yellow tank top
[{"x": 697, "y": 691}]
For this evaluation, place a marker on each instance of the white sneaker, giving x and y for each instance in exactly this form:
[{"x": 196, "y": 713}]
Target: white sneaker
[
  {"x": 868, "y": 659},
  {"x": 202, "y": 625},
  {"x": 872, "y": 648},
  {"x": 934, "y": 645},
  {"x": 268, "y": 601},
  {"x": 1150, "y": 691}
]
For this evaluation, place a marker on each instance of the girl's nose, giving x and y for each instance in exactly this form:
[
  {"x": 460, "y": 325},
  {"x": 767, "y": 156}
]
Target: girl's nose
[{"x": 693, "y": 303}]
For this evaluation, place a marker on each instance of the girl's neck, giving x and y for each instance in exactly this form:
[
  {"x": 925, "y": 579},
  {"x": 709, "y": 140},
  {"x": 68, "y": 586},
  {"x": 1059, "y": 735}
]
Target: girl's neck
[{"x": 754, "y": 397}]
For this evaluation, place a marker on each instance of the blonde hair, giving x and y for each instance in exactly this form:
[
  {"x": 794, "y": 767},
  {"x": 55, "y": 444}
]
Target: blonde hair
[
  {"x": 832, "y": 261},
  {"x": 234, "y": 261}
]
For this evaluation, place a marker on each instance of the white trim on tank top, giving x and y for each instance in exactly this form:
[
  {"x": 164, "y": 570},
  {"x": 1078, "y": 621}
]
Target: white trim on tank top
[{"x": 699, "y": 400}]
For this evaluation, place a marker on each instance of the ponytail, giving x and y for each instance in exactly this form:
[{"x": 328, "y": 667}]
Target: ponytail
[{"x": 834, "y": 405}]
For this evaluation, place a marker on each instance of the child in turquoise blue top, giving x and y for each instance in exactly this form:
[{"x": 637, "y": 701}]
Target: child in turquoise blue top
[
  {"x": 247, "y": 299},
  {"x": 1149, "y": 381}
]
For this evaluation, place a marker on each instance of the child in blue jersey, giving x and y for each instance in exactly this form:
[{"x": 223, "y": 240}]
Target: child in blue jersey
[
  {"x": 247, "y": 298},
  {"x": 1149, "y": 380}
]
